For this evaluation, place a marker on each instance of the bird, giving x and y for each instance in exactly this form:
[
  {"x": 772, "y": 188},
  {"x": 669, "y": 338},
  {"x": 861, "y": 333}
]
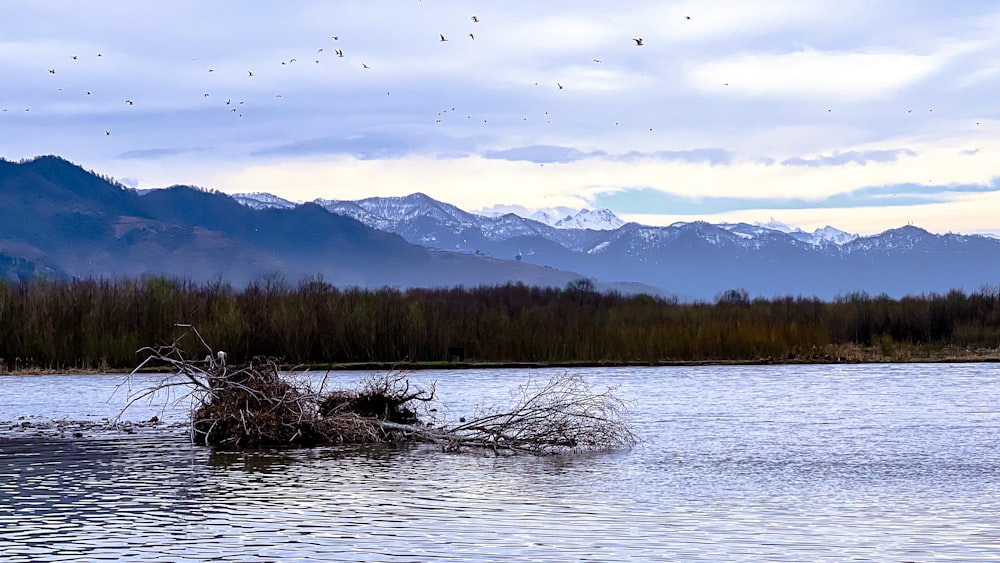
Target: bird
[
  {"x": 687, "y": 17},
  {"x": 363, "y": 65},
  {"x": 442, "y": 37},
  {"x": 638, "y": 41},
  {"x": 559, "y": 85},
  {"x": 249, "y": 73},
  {"x": 335, "y": 37},
  {"x": 597, "y": 60},
  {"x": 107, "y": 132},
  {"x": 52, "y": 71},
  {"x": 88, "y": 92},
  {"x": 319, "y": 50},
  {"x": 475, "y": 19},
  {"x": 339, "y": 53},
  {"x": 130, "y": 102},
  {"x": 74, "y": 57},
  {"x": 472, "y": 36}
]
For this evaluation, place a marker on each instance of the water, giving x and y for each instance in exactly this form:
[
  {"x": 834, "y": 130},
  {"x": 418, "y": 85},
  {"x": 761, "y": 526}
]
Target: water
[{"x": 775, "y": 463}]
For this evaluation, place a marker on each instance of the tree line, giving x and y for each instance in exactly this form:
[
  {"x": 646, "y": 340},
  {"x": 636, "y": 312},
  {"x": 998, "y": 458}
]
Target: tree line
[{"x": 102, "y": 323}]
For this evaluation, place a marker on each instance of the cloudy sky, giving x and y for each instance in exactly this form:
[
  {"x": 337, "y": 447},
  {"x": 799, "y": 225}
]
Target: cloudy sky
[{"x": 861, "y": 114}]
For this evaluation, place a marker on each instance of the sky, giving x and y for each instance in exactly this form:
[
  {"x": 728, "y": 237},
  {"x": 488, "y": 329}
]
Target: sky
[{"x": 863, "y": 115}]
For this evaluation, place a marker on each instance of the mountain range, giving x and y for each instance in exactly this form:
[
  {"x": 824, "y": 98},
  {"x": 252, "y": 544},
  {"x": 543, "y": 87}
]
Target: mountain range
[
  {"x": 695, "y": 260},
  {"x": 62, "y": 221}
]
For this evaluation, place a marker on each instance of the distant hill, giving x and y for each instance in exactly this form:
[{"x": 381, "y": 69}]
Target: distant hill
[
  {"x": 63, "y": 221},
  {"x": 695, "y": 260}
]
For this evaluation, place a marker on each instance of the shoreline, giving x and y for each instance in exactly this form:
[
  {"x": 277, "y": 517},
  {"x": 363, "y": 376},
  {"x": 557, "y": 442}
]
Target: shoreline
[{"x": 461, "y": 366}]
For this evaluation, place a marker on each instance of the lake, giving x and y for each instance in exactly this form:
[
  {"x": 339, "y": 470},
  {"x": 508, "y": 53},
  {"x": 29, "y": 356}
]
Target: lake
[{"x": 751, "y": 463}]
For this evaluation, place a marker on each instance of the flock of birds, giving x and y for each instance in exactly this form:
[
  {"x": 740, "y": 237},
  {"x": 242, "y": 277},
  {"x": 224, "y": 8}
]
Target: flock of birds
[{"x": 235, "y": 107}]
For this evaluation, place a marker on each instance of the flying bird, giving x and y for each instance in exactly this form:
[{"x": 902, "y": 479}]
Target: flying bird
[
  {"x": 339, "y": 53},
  {"x": 472, "y": 36},
  {"x": 365, "y": 66},
  {"x": 597, "y": 60},
  {"x": 475, "y": 19},
  {"x": 442, "y": 37},
  {"x": 106, "y": 132},
  {"x": 559, "y": 85},
  {"x": 249, "y": 73},
  {"x": 130, "y": 102},
  {"x": 74, "y": 57},
  {"x": 52, "y": 71},
  {"x": 638, "y": 41},
  {"x": 335, "y": 37}
]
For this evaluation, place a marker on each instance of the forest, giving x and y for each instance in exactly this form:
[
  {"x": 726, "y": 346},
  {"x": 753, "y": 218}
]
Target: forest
[{"x": 101, "y": 324}]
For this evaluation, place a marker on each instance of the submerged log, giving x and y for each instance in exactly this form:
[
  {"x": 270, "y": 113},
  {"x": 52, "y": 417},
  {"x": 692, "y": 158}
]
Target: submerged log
[{"x": 254, "y": 405}]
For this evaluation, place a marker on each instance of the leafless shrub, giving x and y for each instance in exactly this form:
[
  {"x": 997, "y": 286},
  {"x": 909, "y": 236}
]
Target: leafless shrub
[
  {"x": 560, "y": 415},
  {"x": 255, "y": 405}
]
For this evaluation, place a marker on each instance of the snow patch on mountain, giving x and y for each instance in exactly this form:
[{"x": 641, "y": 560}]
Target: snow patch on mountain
[
  {"x": 820, "y": 237},
  {"x": 560, "y": 217},
  {"x": 263, "y": 200}
]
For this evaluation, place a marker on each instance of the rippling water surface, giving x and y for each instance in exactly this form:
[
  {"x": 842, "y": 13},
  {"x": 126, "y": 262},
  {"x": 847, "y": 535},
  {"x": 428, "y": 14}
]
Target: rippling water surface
[{"x": 777, "y": 463}]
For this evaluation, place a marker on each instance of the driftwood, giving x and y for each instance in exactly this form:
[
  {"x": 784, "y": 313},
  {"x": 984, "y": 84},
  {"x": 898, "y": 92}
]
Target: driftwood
[{"x": 254, "y": 405}]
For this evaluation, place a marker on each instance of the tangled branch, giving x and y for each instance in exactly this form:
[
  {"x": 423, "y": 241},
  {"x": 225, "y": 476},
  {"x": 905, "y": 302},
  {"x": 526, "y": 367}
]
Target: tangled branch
[{"x": 254, "y": 405}]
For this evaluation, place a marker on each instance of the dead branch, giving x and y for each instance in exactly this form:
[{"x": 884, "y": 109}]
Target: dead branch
[{"x": 255, "y": 405}]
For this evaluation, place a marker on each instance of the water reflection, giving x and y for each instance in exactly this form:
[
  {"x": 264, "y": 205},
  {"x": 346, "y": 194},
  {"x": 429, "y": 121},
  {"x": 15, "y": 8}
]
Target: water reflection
[{"x": 776, "y": 463}]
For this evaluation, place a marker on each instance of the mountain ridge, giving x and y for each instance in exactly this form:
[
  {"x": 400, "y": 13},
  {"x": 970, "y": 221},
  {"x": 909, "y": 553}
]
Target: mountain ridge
[
  {"x": 73, "y": 223},
  {"x": 64, "y": 221}
]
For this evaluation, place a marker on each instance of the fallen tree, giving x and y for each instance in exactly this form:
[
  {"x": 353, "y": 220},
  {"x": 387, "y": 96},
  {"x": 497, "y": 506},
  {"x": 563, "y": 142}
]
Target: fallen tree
[{"x": 255, "y": 404}]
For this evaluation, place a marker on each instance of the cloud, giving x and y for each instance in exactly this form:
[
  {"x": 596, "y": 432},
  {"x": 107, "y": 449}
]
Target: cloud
[
  {"x": 857, "y": 157},
  {"x": 814, "y": 74},
  {"x": 542, "y": 154},
  {"x": 153, "y": 154},
  {"x": 545, "y": 154},
  {"x": 653, "y": 201},
  {"x": 375, "y": 145}
]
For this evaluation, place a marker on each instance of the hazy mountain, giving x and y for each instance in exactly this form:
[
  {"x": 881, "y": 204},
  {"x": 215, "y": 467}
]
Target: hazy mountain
[
  {"x": 698, "y": 259},
  {"x": 560, "y": 217},
  {"x": 262, "y": 200},
  {"x": 63, "y": 221}
]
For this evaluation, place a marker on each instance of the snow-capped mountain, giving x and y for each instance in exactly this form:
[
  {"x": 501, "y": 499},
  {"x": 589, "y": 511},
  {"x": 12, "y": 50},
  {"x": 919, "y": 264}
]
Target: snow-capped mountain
[
  {"x": 418, "y": 241},
  {"x": 695, "y": 259},
  {"x": 819, "y": 237},
  {"x": 560, "y": 217},
  {"x": 263, "y": 200}
]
